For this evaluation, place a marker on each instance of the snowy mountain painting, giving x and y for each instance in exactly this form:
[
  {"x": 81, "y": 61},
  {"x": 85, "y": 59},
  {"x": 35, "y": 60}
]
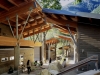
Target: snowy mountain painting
[{"x": 84, "y": 6}]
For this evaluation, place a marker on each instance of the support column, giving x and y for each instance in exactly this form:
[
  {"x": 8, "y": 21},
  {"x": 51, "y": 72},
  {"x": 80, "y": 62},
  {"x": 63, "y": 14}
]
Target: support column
[
  {"x": 49, "y": 52},
  {"x": 66, "y": 53},
  {"x": 75, "y": 44},
  {"x": 17, "y": 48},
  {"x": 44, "y": 48},
  {"x": 55, "y": 51},
  {"x": 16, "y": 56}
]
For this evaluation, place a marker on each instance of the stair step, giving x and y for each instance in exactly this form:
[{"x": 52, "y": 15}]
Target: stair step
[{"x": 90, "y": 72}]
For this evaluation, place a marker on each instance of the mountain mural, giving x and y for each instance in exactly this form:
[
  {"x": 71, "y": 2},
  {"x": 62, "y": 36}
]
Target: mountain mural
[
  {"x": 84, "y": 6},
  {"x": 97, "y": 10}
]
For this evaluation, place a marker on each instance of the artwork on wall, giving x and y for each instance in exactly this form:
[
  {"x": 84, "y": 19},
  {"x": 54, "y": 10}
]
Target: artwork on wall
[
  {"x": 21, "y": 59},
  {"x": 12, "y": 58},
  {"x": 4, "y": 59}
]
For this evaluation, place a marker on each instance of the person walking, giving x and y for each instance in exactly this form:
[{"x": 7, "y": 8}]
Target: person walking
[{"x": 28, "y": 66}]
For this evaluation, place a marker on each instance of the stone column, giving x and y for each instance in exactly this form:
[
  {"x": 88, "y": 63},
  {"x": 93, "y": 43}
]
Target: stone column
[
  {"x": 55, "y": 50},
  {"x": 16, "y": 56},
  {"x": 17, "y": 48},
  {"x": 44, "y": 48}
]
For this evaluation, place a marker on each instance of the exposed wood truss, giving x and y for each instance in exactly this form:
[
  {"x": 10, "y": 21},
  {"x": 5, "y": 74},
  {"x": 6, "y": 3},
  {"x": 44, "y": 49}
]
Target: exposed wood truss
[
  {"x": 36, "y": 23},
  {"x": 15, "y": 10},
  {"x": 9, "y": 9},
  {"x": 37, "y": 30},
  {"x": 56, "y": 19},
  {"x": 64, "y": 29}
]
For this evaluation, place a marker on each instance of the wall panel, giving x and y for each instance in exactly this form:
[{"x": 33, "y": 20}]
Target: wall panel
[{"x": 28, "y": 54}]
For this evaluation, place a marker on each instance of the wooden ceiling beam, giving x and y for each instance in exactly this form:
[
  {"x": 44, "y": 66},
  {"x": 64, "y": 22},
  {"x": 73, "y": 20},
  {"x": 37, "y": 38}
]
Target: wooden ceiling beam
[
  {"x": 74, "y": 19},
  {"x": 65, "y": 38},
  {"x": 65, "y": 28},
  {"x": 43, "y": 30},
  {"x": 26, "y": 0},
  {"x": 12, "y": 12},
  {"x": 63, "y": 17},
  {"x": 14, "y": 3},
  {"x": 52, "y": 41},
  {"x": 31, "y": 27},
  {"x": 58, "y": 26},
  {"x": 13, "y": 20},
  {"x": 19, "y": 16},
  {"x": 6, "y": 22},
  {"x": 58, "y": 21},
  {"x": 66, "y": 31},
  {"x": 3, "y": 7}
]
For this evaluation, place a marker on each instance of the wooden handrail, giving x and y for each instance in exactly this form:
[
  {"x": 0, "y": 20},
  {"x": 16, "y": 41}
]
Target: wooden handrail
[{"x": 80, "y": 63}]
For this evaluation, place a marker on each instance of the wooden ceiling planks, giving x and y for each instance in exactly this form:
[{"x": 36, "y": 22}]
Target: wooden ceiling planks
[
  {"x": 14, "y": 3},
  {"x": 16, "y": 10},
  {"x": 32, "y": 27},
  {"x": 3, "y": 7},
  {"x": 38, "y": 31},
  {"x": 4, "y": 4}
]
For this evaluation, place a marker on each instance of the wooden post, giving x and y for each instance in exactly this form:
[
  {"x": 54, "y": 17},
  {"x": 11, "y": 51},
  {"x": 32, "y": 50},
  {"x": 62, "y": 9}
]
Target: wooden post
[
  {"x": 16, "y": 56},
  {"x": 49, "y": 51},
  {"x": 55, "y": 51},
  {"x": 17, "y": 48},
  {"x": 44, "y": 48},
  {"x": 66, "y": 53}
]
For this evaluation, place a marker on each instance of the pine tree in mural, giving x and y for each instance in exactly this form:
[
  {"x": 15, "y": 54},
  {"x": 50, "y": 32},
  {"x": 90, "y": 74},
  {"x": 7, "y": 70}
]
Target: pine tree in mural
[{"x": 53, "y": 4}]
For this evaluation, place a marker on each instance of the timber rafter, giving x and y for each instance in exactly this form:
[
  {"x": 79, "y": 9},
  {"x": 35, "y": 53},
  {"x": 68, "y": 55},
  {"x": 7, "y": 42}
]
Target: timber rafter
[{"x": 60, "y": 21}]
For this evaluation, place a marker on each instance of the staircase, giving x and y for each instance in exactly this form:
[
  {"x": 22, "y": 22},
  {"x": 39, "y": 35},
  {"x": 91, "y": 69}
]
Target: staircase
[
  {"x": 77, "y": 65},
  {"x": 90, "y": 72}
]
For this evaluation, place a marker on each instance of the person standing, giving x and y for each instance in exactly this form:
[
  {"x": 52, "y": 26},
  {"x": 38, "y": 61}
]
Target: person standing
[
  {"x": 10, "y": 70},
  {"x": 64, "y": 63},
  {"x": 50, "y": 60},
  {"x": 29, "y": 66},
  {"x": 96, "y": 65}
]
